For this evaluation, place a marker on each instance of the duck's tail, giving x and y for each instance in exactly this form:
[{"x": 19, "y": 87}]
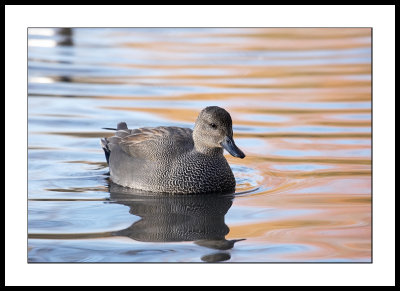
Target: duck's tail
[
  {"x": 106, "y": 149},
  {"x": 104, "y": 142}
]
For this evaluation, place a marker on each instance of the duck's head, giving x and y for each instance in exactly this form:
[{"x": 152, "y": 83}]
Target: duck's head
[{"x": 213, "y": 131}]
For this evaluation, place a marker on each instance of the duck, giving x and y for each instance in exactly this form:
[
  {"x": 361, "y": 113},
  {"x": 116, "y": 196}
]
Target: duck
[{"x": 175, "y": 160}]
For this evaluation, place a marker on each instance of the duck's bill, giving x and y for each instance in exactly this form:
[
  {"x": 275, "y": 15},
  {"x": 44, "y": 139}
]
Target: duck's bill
[{"x": 230, "y": 146}]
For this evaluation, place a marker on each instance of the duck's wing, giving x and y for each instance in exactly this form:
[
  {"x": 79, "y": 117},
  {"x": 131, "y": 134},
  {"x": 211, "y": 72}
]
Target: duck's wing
[{"x": 152, "y": 142}]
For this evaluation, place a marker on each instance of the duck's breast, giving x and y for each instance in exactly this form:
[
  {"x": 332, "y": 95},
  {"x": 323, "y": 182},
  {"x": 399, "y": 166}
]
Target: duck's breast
[{"x": 199, "y": 173}]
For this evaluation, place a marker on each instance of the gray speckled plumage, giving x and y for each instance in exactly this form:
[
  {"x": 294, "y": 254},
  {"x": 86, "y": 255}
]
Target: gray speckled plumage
[{"x": 175, "y": 159}]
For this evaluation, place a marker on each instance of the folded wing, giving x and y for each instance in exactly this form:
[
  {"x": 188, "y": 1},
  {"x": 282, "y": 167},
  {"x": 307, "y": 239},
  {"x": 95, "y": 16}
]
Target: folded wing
[{"x": 152, "y": 143}]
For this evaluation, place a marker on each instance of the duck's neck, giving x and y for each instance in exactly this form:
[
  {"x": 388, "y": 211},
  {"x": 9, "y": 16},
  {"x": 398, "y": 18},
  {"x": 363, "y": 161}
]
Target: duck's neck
[{"x": 209, "y": 151}]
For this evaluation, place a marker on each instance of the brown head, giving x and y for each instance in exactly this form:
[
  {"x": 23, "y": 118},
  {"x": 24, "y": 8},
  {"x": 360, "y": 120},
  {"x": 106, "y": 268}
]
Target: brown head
[{"x": 213, "y": 132}]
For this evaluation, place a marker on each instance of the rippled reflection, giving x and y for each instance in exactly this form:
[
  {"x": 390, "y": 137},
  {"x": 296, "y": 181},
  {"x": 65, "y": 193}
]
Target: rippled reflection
[{"x": 176, "y": 218}]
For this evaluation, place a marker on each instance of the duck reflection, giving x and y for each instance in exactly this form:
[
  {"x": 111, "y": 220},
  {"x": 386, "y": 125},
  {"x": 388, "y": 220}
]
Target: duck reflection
[{"x": 176, "y": 218}]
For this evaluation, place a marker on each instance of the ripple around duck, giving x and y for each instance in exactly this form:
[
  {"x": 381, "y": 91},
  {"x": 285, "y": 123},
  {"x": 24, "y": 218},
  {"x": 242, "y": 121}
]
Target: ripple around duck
[{"x": 250, "y": 181}]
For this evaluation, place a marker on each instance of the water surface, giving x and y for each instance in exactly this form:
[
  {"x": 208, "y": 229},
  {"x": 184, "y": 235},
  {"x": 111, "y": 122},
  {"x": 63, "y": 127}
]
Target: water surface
[{"x": 300, "y": 100}]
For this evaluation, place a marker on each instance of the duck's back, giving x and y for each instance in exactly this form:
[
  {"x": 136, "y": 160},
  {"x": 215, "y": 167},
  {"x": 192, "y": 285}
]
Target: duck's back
[{"x": 152, "y": 143}]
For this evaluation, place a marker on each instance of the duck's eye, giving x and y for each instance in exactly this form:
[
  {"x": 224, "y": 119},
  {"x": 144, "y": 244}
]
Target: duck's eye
[{"x": 213, "y": 125}]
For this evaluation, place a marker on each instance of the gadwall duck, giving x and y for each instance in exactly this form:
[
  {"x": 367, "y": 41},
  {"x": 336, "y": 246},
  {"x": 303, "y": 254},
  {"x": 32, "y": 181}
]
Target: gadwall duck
[{"x": 174, "y": 159}]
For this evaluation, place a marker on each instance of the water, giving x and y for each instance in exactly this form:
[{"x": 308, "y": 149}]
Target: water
[{"x": 300, "y": 100}]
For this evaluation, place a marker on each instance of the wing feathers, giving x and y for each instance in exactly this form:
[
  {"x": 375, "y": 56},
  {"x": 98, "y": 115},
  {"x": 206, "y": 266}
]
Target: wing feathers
[{"x": 152, "y": 142}]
